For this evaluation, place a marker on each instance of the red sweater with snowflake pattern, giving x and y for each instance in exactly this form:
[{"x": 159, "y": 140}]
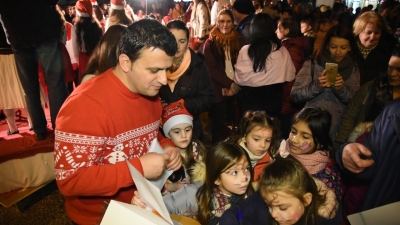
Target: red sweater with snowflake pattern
[{"x": 100, "y": 126}]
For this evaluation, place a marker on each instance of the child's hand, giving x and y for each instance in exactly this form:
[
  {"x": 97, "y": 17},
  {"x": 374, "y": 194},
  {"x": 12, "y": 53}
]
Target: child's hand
[
  {"x": 136, "y": 200},
  {"x": 172, "y": 187}
]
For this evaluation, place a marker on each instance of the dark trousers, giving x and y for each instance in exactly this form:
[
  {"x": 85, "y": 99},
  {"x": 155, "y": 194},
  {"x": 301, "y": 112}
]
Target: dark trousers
[
  {"x": 49, "y": 54},
  {"x": 220, "y": 114},
  {"x": 286, "y": 125}
]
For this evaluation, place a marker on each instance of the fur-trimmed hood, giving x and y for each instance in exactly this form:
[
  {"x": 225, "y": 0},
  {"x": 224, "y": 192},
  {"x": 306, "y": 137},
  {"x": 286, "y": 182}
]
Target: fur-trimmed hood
[
  {"x": 360, "y": 129},
  {"x": 198, "y": 172}
]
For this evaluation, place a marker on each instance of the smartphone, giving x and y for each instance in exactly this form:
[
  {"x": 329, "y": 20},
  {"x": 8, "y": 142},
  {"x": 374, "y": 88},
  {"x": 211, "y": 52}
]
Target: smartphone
[{"x": 331, "y": 70}]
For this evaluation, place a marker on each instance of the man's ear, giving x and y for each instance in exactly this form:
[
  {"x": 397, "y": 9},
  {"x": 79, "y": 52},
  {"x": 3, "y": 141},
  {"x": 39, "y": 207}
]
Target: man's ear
[
  {"x": 307, "y": 198},
  {"x": 124, "y": 62}
]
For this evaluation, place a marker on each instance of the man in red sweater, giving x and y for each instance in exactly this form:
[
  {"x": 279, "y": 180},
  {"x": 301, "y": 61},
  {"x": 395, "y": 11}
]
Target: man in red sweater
[{"x": 113, "y": 118}]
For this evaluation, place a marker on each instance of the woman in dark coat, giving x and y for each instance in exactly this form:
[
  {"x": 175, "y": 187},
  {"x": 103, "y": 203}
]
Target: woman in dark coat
[
  {"x": 373, "y": 45},
  {"x": 221, "y": 51},
  {"x": 188, "y": 79}
]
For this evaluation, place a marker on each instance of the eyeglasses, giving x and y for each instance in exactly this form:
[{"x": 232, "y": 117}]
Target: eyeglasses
[{"x": 391, "y": 68}]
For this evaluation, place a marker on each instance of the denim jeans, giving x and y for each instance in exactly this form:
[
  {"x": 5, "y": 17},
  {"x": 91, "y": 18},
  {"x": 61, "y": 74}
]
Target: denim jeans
[{"x": 49, "y": 54}]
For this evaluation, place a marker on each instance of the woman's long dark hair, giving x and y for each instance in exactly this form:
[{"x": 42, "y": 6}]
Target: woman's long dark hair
[
  {"x": 105, "y": 56},
  {"x": 262, "y": 40},
  {"x": 92, "y": 33},
  {"x": 120, "y": 16}
]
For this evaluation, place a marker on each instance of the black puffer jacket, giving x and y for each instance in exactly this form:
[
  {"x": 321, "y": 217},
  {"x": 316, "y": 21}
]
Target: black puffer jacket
[{"x": 377, "y": 60}]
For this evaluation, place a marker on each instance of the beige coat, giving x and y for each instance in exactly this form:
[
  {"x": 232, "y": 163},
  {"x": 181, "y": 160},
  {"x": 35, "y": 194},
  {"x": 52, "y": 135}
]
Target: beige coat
[{"x": 200, "y": 21}]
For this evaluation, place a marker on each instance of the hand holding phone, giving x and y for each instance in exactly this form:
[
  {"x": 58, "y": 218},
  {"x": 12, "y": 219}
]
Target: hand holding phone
[{"x": 331, "y": 71}]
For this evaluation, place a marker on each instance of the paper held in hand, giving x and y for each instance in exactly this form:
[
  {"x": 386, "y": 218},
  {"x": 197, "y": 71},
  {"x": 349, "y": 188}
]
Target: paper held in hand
[
  {"x": 122, "y": 213},
  {"x": 387, "y": 214},
  {"x": 156, "y": 147}
]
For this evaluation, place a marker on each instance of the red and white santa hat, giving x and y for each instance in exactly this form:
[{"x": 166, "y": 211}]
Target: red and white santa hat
[
  {"x": 84, "y": 8},
  {"x": 117, "y": 4},
  {"x": 174, "y": 114},
  {"x": 94, "y": 2}
]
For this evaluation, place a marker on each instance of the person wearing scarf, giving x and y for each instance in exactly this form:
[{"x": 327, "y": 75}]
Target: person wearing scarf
[
  {"x": 221, "y": 51},
  {"x": 188, "y": 79},
  {"x": 311, "y": 84}
]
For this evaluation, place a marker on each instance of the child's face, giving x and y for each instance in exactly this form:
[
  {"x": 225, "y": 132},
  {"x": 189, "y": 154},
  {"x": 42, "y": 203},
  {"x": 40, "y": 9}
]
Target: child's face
[
  {"x": 285, "y": 208},
  {"x": 258, "y": 140},
  {"x": 304, "y": 28},
  {"x": 281, "y": 32},
  {"x": 301, "y": 139},
  {"x": 236, "y": 179},
  {"x": 181, "y": 135}
]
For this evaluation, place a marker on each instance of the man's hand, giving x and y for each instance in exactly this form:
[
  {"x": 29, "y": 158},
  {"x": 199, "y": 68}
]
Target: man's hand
[
  {"x": 174, "y": 161},
  {"x": 154, "y": 164},
  {"x": 352, "y": 157}
]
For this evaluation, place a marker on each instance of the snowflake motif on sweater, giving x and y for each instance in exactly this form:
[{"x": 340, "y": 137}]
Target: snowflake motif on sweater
[{"x": 75, "y": 151}]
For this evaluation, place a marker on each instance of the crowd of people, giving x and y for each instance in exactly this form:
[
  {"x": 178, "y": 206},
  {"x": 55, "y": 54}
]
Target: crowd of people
[{"x": 302, "y": 148}]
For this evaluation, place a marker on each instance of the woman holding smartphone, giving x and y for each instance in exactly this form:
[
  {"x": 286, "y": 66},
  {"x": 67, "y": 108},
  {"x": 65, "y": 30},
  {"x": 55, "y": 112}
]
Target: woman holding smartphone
[{"x": 312, "y": 85}]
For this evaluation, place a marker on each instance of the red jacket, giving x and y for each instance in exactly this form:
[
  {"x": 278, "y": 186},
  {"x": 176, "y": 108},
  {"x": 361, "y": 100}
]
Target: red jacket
[
  {"x": 260, "y": 165},
  {"x": 297, "y": 48}
]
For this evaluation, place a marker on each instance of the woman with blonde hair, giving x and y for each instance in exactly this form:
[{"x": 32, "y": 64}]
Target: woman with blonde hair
[{"x": 373, "y": 45}]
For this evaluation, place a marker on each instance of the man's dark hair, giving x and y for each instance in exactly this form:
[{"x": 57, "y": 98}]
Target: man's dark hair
[
  {"x": 388, "y": 4},
  {"x": 144, "y": 34}
]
